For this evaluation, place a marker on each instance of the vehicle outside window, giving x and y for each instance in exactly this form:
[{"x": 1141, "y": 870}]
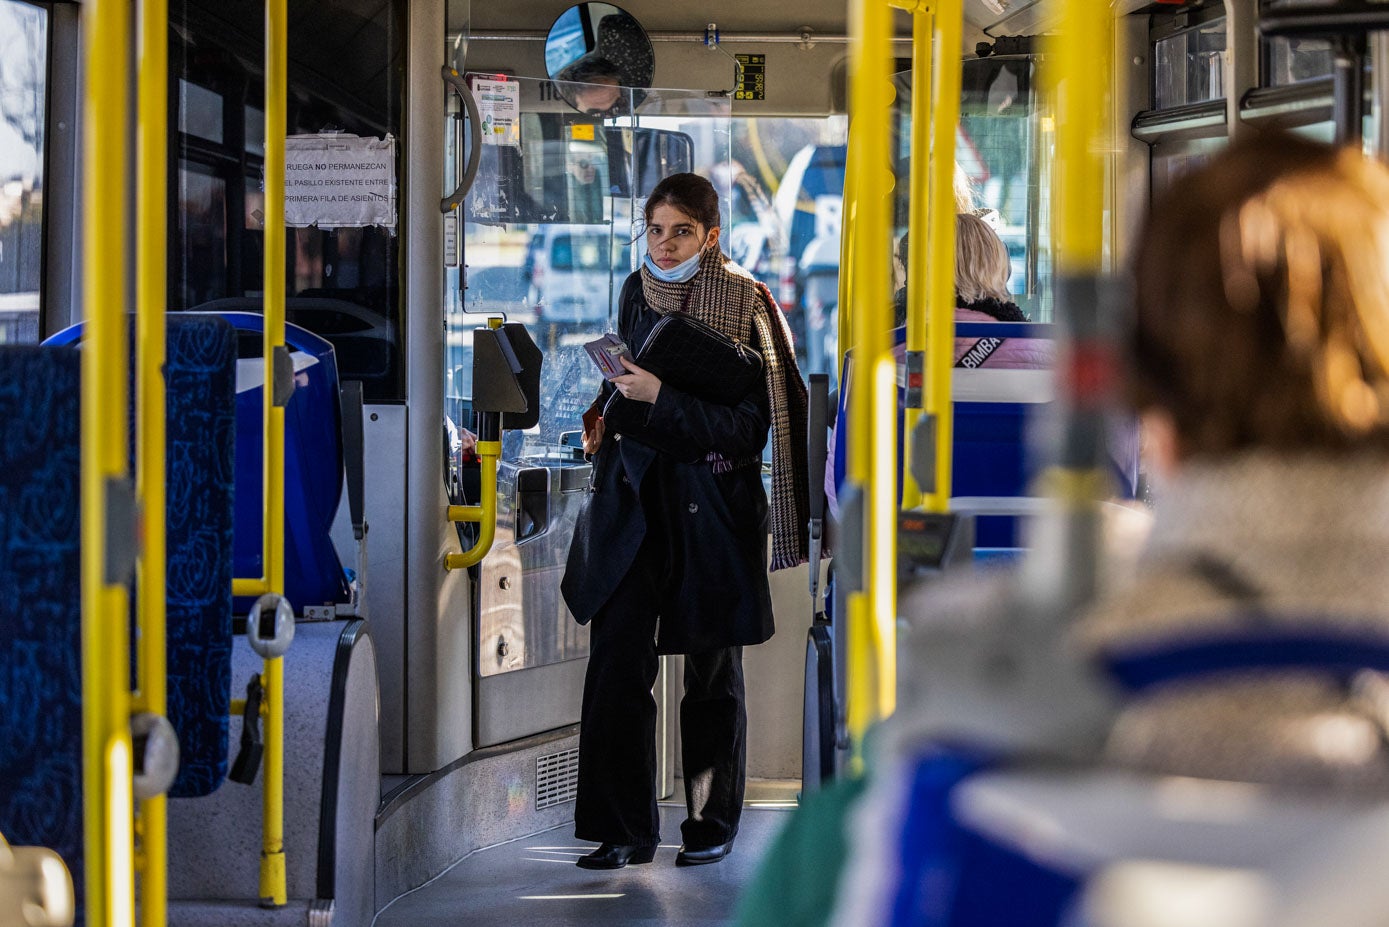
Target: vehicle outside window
[
  {"x": 810, "y": 200},
  {"x": 23, "y": 82},
  {"x": 570, "y": 271}
]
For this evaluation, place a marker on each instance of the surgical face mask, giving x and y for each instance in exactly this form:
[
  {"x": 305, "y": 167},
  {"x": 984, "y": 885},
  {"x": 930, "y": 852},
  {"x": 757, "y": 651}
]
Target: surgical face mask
[{"x": 680, "y": 273}]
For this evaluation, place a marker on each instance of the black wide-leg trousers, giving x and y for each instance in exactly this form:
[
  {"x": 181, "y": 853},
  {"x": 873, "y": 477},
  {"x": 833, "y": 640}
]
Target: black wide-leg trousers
[{"x": 617, "y": 734}]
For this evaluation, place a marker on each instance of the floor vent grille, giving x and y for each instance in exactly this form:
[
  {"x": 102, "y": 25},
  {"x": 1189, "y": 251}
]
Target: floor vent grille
[{"x": 556, "y": 778}]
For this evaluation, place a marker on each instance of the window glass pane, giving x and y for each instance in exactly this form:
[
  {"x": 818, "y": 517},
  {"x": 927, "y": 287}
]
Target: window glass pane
[
  {"x": 793, "y": 247},
  {"x": 1190, "y": 66},
  {"x": 23, "y": 82},
  {"x": 201, "y": 248},
  {"x": 199, "y": 111},
  {"x": 548, "y": 232},
  {"x": 1289, "y": 61},
  {"x": 346, "y": 64},
  {"x": 1002, "y": 150},
  {"x": 255, "y": 131}
]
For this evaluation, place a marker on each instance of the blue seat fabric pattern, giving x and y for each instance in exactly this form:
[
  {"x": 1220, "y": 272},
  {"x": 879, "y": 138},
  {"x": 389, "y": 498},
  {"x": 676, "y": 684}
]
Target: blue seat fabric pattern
[
  {"x": 200, "y": 371},
  {"x": 200, "y": 424},
  {"x": 41, "y": 627}
]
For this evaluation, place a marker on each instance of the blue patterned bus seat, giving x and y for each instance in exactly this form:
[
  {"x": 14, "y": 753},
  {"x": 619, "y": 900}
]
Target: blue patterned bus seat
[
  {"x": 200, "y": 371},
  {"x": 313, "y": 465},
  {"x": 40, "y": 572}
]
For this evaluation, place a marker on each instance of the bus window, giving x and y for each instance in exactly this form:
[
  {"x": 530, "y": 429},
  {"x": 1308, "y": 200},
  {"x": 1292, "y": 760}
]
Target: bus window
[
  {"x": 23, "y": 80},
  {"x": 1190, "y": 64},
  {"x": 1290, "y": 61},
  {"x": 343, "y": 81}
]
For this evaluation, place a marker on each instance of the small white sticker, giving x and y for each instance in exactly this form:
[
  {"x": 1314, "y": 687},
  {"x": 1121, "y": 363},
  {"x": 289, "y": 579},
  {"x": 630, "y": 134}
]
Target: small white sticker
[
  {"x": 451, "y": 239},
  {"x": 499, "y": 106}
]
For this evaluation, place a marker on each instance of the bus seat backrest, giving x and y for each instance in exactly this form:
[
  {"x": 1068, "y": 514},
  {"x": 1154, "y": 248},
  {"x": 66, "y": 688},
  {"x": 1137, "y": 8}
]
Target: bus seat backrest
[
  {"x": 313, "y": 466},
  {"x": 200, "y": 373},
  {"x": 974, "y": 813},
  {"x": 200, "y": 376},
  {"x": 40, "y": 573}
]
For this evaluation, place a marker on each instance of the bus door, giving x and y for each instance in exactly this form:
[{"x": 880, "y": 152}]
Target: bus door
[{"x": 549, "y": 232}]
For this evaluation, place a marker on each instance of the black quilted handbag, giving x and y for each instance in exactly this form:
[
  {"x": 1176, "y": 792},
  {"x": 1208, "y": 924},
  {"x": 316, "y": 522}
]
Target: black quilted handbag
[
  {"x": 694, "y": 358},
  {"x": 700, "y": 360}
]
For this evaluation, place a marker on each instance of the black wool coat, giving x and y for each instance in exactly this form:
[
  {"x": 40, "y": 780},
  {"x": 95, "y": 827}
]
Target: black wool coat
[{"x": 711, "y": 527}]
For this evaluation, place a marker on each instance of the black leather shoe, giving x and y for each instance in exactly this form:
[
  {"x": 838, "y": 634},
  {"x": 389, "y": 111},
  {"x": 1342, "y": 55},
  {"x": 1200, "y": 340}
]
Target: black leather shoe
[
  {"x": 615, "y": 856},
  {"x": 698, "y": 856}
]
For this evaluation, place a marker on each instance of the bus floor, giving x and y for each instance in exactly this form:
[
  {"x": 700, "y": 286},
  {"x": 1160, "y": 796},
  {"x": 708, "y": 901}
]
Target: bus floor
[{"x": 534, "y": 881}]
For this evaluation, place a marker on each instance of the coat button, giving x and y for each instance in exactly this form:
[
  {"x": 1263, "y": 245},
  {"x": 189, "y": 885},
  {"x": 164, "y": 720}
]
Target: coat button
[{"x": 694, "y": 507}]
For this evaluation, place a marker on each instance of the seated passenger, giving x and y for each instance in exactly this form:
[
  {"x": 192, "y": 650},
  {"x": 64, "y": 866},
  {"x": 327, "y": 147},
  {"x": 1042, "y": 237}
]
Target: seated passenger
[
  {"x": 981, "y": 295},
  {"x": 1261, "y": 372}
]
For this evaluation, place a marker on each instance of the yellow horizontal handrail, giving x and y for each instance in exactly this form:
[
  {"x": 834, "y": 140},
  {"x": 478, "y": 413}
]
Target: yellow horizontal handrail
[{"x": 484, "y": 515}]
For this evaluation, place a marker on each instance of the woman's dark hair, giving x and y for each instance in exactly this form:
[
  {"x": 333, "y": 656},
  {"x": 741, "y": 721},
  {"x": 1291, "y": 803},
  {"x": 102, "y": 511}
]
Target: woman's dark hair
[
  {"x": 1262, "y": 297},
  {"x": 691, "y": 194}
]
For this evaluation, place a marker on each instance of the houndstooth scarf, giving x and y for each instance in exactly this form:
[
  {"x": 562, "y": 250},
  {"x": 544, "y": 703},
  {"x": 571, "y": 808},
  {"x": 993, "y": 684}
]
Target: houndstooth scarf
[{"x": 726, "y": 297}]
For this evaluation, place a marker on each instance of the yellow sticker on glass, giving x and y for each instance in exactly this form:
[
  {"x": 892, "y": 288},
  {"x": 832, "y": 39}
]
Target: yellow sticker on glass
[{"x": 582, "y": 132}]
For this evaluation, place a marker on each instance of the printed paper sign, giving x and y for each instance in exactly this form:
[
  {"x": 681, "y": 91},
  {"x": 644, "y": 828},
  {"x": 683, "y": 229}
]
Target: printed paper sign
[
  {"x": 499, "y": 106},
  {"x": 335, "y": 180}
]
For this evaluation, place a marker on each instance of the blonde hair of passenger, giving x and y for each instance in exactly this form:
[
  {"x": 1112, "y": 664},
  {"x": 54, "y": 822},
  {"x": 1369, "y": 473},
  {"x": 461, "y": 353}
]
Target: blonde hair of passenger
[
  {"x": 964, "y": 191},
  {"x": 1262, "y": 296},
  {"x": 981, "y": 261}
]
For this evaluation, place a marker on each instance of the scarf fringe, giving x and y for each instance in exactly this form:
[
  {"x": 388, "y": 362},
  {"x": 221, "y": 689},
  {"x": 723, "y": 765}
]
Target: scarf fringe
[{"x": 785, "y": 561}]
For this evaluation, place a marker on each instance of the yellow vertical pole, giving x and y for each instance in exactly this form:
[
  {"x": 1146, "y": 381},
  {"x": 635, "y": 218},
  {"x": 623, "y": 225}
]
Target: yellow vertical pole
[
  {"x": 151, "y": 288},
  {"x": 1079, "y": 73},
  {"x": 1078, "y": 52},
  {"x": 272, "y": 863},
  {"x": 918, "y": 244},
  {"x": 106, "y": 742},
  {"x": 872, "y": 448},
  {"x": 940, "y": 313},
  {"x": 846, "y": 249}
]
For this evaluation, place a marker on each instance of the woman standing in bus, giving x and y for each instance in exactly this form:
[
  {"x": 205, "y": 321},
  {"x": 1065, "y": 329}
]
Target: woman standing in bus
[{"x": 670, "y": 556}]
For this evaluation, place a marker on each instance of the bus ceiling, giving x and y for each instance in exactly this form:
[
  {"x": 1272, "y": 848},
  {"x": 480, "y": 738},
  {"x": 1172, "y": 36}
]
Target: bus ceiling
[{"x": 510, "y": 39}]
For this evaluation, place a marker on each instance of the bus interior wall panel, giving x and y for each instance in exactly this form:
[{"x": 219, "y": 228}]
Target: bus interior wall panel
[
  {"x": 485, "y": 799},
  {"x": 383, "y": 602},
  {"x": 774, "y": 746},
  {"x": 438, "y": 690},
  {"x": 514, "y": 705}
]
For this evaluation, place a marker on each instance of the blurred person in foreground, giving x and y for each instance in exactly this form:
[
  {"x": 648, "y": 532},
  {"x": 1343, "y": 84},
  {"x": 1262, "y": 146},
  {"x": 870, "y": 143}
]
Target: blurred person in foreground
[{"x": 1261, "y": 373}]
